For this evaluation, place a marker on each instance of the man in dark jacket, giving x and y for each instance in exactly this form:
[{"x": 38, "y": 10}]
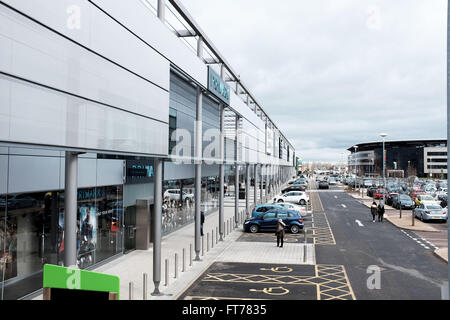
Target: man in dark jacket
[
  {"x": 280, "y": 232},
  {"x": 380, "y": 211},
  {"x": 202, "y": 221}
]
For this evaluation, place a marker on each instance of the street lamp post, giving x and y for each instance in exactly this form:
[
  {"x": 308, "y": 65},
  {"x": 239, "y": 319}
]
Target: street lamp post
[
  {"x": 384, "y": 135},
  {"x": 354, "y": 160}
]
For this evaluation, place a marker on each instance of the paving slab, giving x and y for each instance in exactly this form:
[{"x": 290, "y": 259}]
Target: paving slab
[{"x": 442, "y": 253}]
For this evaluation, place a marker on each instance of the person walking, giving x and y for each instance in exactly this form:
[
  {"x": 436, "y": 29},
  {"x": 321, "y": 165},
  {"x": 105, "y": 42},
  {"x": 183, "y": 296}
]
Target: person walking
[
  {"x": 374, "y": 210},
  {"x": 202, "y": 221},
  {"x": 280, "y": 232},
  {"x": 380, "y": 211}
]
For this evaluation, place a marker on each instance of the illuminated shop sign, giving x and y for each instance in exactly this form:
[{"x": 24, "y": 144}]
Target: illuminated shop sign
[
  {"x": 139, "y": 171},
  {"x": 217, "y": 86}
]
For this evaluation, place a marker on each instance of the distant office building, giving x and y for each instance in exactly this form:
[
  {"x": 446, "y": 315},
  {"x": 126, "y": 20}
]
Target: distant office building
[{"x": 421, "y": 158}]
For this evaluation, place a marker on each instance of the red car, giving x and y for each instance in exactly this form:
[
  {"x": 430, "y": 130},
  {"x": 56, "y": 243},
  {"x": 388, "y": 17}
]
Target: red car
[{"x": 378, "y": 194}]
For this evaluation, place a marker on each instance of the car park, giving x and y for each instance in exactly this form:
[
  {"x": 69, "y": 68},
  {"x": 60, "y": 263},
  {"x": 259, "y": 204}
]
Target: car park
[
  {"x": 429, "y": 211},
  {"x": 370, "y": 191},
  {"x": 268, "y": 221},
  {"x": 390, "y": 198},
  {"x": 324, "y": 185},
  {"x": 262, "y": 208},
  {"x": 301, "y": 210},
  {"x": 424, "y": 198},
  {"x": 174, "y": 195},
  {"x": 299, "y": 197},
  {"x": 405, "y": 201},
  {"x": 442, "y": 200},
  {"x": 378, "y": 193},
  {"x": 294, "y": 187}
]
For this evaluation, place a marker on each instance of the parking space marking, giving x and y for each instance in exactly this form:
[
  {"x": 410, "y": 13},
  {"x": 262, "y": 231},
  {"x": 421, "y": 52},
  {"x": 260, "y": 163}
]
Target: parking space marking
[
  {"x": 330, "y": 282},
  {"x": 421, "y": 241}
]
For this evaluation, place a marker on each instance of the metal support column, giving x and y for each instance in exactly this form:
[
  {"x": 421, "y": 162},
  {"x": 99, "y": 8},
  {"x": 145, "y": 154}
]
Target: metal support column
[
  {"x": 157, "y": 224},
  {"x": 261, "y": 183},
  {"x": 198, "y": 149},
  {"x": 198, "y": 172},
  {"x": 236, "y": 174},
  {"x": 70, "y": 209},
  {"x": 255, "y": 185},
  {"x": 247, "y": 190},
  {"x": 162, "y": 10}
]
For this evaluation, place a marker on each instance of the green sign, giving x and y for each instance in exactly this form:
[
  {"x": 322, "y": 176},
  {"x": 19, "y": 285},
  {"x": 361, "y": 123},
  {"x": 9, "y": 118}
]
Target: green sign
[
  {"x": 75, "y": 279},
  {"x": 217, "y": 86}
]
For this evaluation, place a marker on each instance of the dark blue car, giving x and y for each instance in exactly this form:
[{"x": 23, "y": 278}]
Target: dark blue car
[{"x": 268, "y": 221}]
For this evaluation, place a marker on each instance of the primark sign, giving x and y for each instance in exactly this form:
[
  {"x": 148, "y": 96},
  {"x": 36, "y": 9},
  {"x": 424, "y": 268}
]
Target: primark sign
[{"x": 217, "y": 86}]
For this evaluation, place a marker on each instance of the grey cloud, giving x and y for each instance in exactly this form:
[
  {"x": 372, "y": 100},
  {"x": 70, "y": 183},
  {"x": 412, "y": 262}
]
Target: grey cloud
[{"x": 327, "y": 79}]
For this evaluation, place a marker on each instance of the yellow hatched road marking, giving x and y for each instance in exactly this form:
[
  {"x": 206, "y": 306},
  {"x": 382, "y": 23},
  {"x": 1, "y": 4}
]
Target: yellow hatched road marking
[{"x": 331, "y": 281}]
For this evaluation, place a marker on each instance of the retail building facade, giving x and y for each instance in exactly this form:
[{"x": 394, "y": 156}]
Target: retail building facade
[{"x": 108, "y": 95}]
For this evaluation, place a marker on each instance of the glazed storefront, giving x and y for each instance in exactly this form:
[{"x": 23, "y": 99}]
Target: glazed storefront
[{"x": 32, "y": 214}]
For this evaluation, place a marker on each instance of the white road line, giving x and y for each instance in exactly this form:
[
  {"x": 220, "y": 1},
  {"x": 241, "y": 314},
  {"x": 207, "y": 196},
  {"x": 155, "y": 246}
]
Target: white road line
[
  {"x": 359, "y": 223},
  {"x": 343, "y": 205},
  {"x": 335, "y": 197}
]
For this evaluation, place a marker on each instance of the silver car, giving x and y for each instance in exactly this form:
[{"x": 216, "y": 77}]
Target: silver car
[{"x": 430, "y": 211}]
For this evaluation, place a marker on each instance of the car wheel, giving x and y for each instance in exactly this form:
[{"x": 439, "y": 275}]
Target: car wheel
[
  {"x": 295, "y": 229},
  {"x": 254, "y": 228},
  {"x": 281, "y": 200},
  {"x": 302, "y": 202}
]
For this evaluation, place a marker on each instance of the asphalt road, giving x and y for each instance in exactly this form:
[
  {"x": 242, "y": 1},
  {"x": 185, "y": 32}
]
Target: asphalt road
[{"x": 408, "y": 271}]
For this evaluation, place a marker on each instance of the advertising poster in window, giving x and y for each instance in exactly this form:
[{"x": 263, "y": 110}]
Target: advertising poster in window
[{"x": 88, "y": 234}]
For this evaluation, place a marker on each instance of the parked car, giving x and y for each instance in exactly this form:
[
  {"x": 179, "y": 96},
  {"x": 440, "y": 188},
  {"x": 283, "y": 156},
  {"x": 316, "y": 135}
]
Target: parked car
[
  {"x": 332, "y": 180},
  {"x": 263, "y": 208},
  {"x": 293, "y": 197},
  {"x": 370, "y": 191},
  {"x": 294, "y": 187},
  {"x": 301, "y": 210},
  {"x": 174, "y": 194},
  {"x": 405, "y": 200},
  {"x": 390, "y": 198},
  {"x": 378, "y": 194},
  {"x": 428, "y": 211},
  {"x": 268, "y": 221},
  {"x": 442, "y": 200},
  {"x": 368, "y": 183},
  {"x": 324, "y": 185},
  {"x": 424, "y": 198}
]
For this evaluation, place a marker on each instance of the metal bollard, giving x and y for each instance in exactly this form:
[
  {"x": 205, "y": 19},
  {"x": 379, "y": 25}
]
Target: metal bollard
[
  {"x": 212, "y": 238},
  {"x": 217, "y": 235},
  {"x": 207, "y": 242},
  {"x": 184, "y": 261},
  {"x": 190, "y": 255},
  {"x": 176, "y": 265},
  {"x": 304, "y": 253},
  {"x": 305, "y": 231},
  {"x": 203, "y": 246},
  {"x": 131, "y": 291},
  {"x": 144, "y": 294},
  {"x": 167, "y": 273}
]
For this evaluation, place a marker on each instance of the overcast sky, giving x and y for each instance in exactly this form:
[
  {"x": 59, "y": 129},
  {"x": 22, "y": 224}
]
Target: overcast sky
[{"x": 333, "y": 73}]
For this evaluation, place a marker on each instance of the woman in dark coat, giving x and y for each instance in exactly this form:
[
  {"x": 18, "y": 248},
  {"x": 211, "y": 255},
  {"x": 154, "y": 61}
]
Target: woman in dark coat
[
  {"x": 280, "y": 232},
  {"x": 374, "y": 210},
  {"x": 380, "y": 211}
]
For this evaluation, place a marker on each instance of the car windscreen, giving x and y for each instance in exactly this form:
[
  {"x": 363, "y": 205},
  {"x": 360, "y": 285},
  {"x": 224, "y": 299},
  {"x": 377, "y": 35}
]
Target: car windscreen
[
  {"x": 405, "y": 198},
  {"x": 434, "y": 207}
]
